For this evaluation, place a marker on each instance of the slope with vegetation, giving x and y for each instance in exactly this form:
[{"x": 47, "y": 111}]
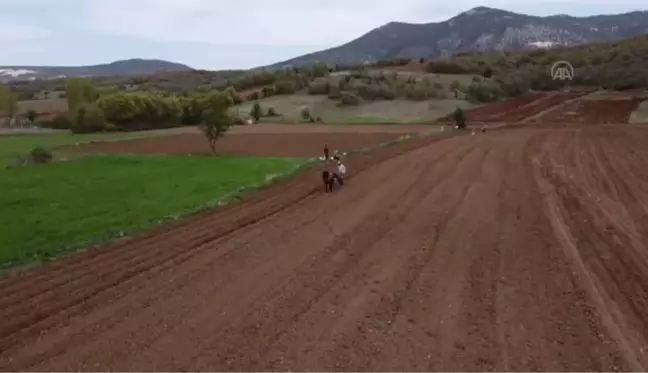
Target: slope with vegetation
[
  {"x": 480, "y": 29},
  {"x": 118, "y": 68},
  {"x": 616, "y": 66}
]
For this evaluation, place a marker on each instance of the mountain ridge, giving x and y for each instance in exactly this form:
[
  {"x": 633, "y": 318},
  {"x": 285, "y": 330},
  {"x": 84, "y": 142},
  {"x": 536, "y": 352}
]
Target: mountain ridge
[
  {"x": 127, "y": 67},
  {"x": 480, "y": 29}
]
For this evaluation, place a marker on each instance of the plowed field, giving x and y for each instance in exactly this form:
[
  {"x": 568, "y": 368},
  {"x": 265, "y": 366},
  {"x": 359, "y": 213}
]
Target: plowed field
[
  {"x": 269, "y": 144},
  {"x": 516, "y": 110},
  {"x": 592, "y": 112},
  {"x": 520, "y": 249}
]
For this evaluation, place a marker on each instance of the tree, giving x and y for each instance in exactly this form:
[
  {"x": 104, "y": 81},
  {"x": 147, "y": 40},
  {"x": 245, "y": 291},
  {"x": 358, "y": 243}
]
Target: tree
[
  {"x": 454, "y": 86},
  {"x": 256, "y": 112},
  {"x": 31, "y": 115},
  {"x": 80, "y": 91},
  {"x": 88, "y": 118},
  {"x": 460, "y": 118},
  {"x": 8, "y": 103},
  {"x": 216, "y": 121}
]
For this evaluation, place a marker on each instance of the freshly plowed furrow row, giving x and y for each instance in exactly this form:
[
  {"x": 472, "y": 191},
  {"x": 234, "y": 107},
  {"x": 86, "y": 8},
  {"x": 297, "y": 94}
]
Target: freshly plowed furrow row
[
  {"x": 494, "y": 111},
  {"x": 516, "y": 250},
  {"x": 319, "y": 277},
  {"x": 115, "y": 265},
  {"x": 385, "y": 314}
]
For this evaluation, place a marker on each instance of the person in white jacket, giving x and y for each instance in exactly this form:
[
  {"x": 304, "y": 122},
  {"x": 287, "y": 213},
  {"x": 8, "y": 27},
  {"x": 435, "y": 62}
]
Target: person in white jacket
[{"x": 342, "y": 169}]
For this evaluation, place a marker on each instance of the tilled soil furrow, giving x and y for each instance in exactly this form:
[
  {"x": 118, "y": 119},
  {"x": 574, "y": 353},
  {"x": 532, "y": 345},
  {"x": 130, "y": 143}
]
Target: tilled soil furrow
[
  {"x": 386, "y": 309},
  {"x": 363, "y": 161},
  {"x": 310, "y": 282},
  {"x": 78, "y": 289},
  {"x": 517, "y": 250},
  {"x": 174, "y": 235},
  {"x": 301, "y": 188},
  {"x": 613, "y": 276}
]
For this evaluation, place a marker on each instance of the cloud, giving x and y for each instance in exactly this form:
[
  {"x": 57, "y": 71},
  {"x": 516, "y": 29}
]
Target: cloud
[
  {"x": 19, "y": 32},
  {"x": 228, "y": 34},
  {"x": 250, "y": 22},
  {"x": 287, "y": 22}
]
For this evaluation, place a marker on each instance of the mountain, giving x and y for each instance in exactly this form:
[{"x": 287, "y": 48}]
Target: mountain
[
  {"x": 117, "y": 68},
  {"x": 480, "y": 29}
]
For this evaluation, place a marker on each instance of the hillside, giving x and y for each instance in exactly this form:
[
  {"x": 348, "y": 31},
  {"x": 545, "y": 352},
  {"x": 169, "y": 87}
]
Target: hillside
[
  {"x": 117, "y": 68},
  {"x": 480, "y": 29},
  {"x": 618, "y": 66}
]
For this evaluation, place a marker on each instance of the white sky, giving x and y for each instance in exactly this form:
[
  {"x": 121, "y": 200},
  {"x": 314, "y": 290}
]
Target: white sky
[{"x": 224, "y": 34}]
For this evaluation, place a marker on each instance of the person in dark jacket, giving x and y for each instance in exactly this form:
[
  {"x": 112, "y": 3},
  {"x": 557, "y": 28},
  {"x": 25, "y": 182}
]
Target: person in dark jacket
[{"x": 326, "y": 152}]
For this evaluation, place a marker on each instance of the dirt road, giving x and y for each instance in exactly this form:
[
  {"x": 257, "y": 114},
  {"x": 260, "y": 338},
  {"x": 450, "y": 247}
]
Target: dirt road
[{"x": 522, "y": 249}]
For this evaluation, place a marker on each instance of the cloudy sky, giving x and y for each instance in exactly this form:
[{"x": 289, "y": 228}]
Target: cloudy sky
[{"x": 225, "y": 34}]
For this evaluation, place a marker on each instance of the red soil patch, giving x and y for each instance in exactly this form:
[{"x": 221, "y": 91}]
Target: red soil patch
[
  {"x": 515, "y": 250},
  {"x": 493, "y": 112},
  {"x": 517, "y": 110},
  {"x": 267, "y": 145},
  {"x": 592, "y": 112}
]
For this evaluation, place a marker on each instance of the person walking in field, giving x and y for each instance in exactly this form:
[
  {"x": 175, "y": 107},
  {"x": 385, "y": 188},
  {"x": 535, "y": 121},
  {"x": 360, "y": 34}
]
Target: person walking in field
[
  {"x": 341, "y": 173},
  {"x": 342, "y": 170},
  {"x": 326, "y": 152}
]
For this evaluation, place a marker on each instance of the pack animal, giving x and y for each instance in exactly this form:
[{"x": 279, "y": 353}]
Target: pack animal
[{"x": 328, "y": 180}]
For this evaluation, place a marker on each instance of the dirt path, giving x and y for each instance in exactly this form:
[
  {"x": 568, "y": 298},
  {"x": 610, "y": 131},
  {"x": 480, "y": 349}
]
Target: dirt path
[{"x": 520, "y": 250}]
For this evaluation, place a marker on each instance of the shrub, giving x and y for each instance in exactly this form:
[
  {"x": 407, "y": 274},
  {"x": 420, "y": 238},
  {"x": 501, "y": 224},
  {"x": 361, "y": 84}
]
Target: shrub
[
  {"x": 272, "y": 112},
  {"x": 367, "y": 91},
  {"x": 253, "y": 96},
  {"x": 31, "y": 115},
  {"x": 306, "y": 114},
  {"x": 59, "y": 122},
  {"x": 416, "y": 93},
  {"x": 349, "y": 99},
  {"x": 478, "y": 92},
  {"x": 387, "y": 92},
  {"x": 40, "y": 155},
  {"x": 256, "y": 112},
  {"x": 445, "y": 67},
  {"x": 268, "y": 91},
  {"x": 88, "y": 118},
  {"x": 285, "y": 87},
  {"x": 459, "y": 117},
  {"x": 318, "y": 87},
  {"x": 334, "y": 92}
]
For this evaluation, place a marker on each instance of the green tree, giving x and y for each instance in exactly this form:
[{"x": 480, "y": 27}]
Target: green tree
[
  {"x": 216, "y": 121},
  {"x": 256, "y": 112},
  {"x": 80, "y": 91},
  {"x": 8, "y": 103},
  {"x": 88, "y": 118},
  {"x": 31, "y": 115},
  {"x": 460, "y": 118}
]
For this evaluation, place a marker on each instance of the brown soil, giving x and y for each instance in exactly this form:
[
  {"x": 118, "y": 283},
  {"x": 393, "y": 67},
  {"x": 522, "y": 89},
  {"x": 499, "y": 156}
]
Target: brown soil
[
  {"x": 268, "y": 145},
  {"x": 519, "y": 250},
  {"x": 592, "y": 112}
]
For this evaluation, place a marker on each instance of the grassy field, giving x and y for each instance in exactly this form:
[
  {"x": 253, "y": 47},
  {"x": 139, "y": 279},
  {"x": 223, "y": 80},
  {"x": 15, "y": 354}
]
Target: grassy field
[
  {"x": 14, "y": 146},
  {"x": 394, "y": 111},
  {"x": 50, "y": 209}
]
